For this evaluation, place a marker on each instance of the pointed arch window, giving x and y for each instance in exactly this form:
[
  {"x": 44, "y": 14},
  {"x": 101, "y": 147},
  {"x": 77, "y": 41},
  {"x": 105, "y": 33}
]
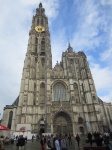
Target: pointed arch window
[
  {"x": 43, "y": 45},
  {"x": 42, "y": 92},
  {"x": 43, "y": 61},
  {"x": 36, "y": 44},
  {"x": 10, "y": 119},
  {"x": 83, "y": 94},
  {"x": 42, "y": 21},
  {"x": 59, "y": 92},
  {"x": 76, "y": 92},
  {"x": 34, "y": 102}
]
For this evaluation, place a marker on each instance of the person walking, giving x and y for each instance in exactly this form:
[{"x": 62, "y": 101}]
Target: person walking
[{"x": 43, "y": 142}]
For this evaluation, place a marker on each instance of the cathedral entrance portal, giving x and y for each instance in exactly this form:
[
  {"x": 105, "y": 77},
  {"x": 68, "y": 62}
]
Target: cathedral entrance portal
[
  {"x": 62, "y": 123},
  {"x": 42, "y": 130}
]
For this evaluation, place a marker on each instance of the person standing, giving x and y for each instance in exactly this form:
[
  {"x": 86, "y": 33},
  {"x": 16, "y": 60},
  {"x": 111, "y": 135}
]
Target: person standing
[
  {"x": 90, "y": 138},
  {"x": 78, "y": 139},
  {"x": 57, "y": 145},
  {"x": 69, "y": 139},
  {"x": 21, "y": 142},
  {"x": 63, "y": 144},
  {"x": 1, "y": 142},
  {"x": 16, "y": 137},
  {"x": 33, "y": 138},
  {"x": 49, "y": 144}
]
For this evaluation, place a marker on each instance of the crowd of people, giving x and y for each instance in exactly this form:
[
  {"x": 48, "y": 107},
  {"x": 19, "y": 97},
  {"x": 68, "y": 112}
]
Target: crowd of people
[
  {"x": 100, "y": 139},
  {"x": 62, "y": 142},
  {"x": 58, "y": 142}
]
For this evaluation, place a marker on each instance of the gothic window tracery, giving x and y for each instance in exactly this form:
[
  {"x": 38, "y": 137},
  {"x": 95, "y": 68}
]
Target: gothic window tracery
[
  {"x": 42, "y": 21},
  {"x": 59, "y": 92},
  {"x": 10, "y": 119},
  {"x": 43, "y": 45},
  {"x": 42, "y": 92},
  {"x": 76, "y": 92},
  {"x": 36, "y": 44},
  {"x": 34, "y": 102},
  {"x": 43, "y": 61},
  {"x": 83, "y": 94}
]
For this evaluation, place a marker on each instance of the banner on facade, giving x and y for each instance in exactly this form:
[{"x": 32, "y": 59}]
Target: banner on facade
[{"x": 23, "y": 127}]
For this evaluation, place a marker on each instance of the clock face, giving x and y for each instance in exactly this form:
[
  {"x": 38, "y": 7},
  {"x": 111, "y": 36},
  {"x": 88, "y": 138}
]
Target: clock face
[{"x": 39, "y": 28}]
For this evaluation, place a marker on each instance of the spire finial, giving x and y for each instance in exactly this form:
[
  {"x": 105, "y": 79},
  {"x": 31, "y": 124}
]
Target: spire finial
[
  {"x": 70, "y": 49},
  {"x": 69, "y": 45},
  {"x": 40, "y": 5}
]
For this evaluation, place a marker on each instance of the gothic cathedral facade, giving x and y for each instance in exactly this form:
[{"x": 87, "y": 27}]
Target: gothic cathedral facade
[{"x": 57, "y": 99}]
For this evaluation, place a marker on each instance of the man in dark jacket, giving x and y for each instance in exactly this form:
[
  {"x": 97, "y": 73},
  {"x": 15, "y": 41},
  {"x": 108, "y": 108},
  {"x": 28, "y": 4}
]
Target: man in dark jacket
[
  {"x": 90, "y": 138},
  {"x": 21, "y": 142}
]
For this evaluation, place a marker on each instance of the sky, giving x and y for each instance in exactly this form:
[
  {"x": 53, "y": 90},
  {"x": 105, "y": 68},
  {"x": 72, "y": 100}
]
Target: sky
[{"x": 86, "y": 24}]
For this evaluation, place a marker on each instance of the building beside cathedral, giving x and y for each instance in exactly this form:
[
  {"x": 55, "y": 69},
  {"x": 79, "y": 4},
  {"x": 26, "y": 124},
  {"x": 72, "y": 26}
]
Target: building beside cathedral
[{"x": 57, "y": 99}]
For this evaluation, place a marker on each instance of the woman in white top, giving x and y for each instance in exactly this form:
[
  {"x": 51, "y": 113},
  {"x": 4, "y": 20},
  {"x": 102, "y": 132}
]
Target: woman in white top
[
  {"x": 63, "y": 144},
  {"x": 57, "y": 145}
]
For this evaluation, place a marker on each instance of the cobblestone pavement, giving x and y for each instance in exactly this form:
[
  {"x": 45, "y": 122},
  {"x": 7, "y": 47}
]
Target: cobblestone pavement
[{"x": 36, "y": 145}]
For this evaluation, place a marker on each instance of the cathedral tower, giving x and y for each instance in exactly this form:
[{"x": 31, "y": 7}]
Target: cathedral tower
[{"x": 36, "y": 72}]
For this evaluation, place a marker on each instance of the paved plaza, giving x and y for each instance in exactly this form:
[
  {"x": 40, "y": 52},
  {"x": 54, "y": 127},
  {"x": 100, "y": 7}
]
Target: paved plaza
[{"x": 36, "y": 145}]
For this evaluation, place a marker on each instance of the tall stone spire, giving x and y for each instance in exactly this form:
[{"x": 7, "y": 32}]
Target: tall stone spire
[
  {"x": 37, "y": 64},
  {"x": 70, "y": 49}
]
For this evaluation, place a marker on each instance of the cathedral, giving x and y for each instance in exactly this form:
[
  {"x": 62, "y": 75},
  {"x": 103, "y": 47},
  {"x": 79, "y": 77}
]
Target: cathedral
[{"x": 59, "y": 99}]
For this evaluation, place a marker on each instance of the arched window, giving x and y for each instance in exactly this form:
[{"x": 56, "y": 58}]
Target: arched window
[
  {"x": 42, "y": 92},
  {"x": 83, "y": 95},
  {"x": 43, "y": 61},
  {"x": 43, "y": 45},
  {"x": 76, "y": 92},
  {"x": 10, "y": 119},
  {"x": 80, "y": 120},
  {"x": 34, "y": 102},
  {"x": 42, "y": 21},
  {"x": 59, "y": 92},
  {"x": 36, "y": 45}
]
